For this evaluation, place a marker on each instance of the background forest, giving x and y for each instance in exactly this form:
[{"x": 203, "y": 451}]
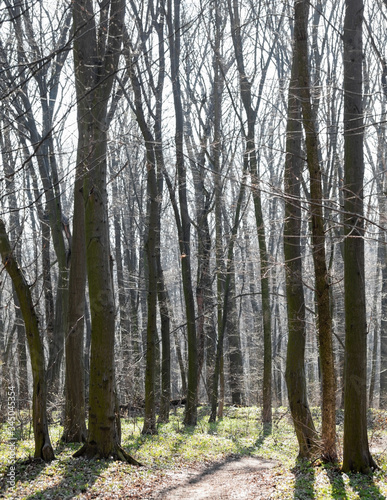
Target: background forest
[{"x": 193, "y": 209}]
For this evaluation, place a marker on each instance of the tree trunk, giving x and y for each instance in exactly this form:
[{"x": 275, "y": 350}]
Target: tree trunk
[
  {"x": 43, "y": 448},
  {"x": 218, "y": 371},
  {"x": 251, "y": 157},
  {"x": 75, "y": 410},
  {"x": 15, "y": 241},
  {"x": 150, "y": 251},
  {"x": 44, "y": 152},
  {"x": 357, "y": 456},
  {"x": 295, "y": 358},
  {"x": 184, "y": 224},
  {"x": 96, "y": 55},
  {"x": 236, "y": 377},
  {"x": 329, "y": 452}
]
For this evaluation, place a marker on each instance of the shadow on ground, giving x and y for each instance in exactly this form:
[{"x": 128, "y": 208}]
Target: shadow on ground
[{"x": 234, "y": 477}]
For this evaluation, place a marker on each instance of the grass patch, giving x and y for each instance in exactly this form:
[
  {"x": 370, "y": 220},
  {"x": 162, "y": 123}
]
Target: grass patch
[{"x": 176, "y": 448}]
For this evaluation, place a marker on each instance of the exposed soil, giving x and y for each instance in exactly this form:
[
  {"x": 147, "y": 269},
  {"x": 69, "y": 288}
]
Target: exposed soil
[{"x": 234, "y": 478}]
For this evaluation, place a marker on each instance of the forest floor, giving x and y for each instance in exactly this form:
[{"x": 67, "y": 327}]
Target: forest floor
[{"x": 235, "y": 458}]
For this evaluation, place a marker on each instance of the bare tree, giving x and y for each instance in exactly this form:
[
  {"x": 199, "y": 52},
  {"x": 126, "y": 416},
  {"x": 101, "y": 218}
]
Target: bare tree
[
  {"x": 43, "y": 447},
  {"x": 329, "y": 452},
  {"x": 295, "y": 359},
  {"x": 97, "y": 46},
  {"x": 357, "y": 456}
]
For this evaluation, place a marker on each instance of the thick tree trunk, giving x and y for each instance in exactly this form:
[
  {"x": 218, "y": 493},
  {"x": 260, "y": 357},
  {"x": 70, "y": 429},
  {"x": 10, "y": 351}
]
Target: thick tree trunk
[
  {"x": 96, "y": 55},
  {"x": 75, "y": 410},
  {"x": 357, "y": 456}
]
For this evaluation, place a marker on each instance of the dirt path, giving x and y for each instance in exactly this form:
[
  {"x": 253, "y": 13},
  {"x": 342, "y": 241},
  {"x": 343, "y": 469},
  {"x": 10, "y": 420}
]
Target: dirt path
[{"x": 241, "y": 478}]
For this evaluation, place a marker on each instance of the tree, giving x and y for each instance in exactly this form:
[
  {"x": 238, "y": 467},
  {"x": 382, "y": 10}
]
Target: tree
[
  {"x": 96, "y": 55},
  {"x": 151, "y": 240},
  {"x": 15, "y": 241},
  {"x": 156, "y": 287},
  {"x": 39, "y": 75},
  {"x": 43, "y": 447},
  {"x": 301, "y": 9},
  {"x": 295, "y": 358},
  {"x": 250, "y": 155},
  {"x": 182, "y": 217},
  {"x": 227, "y": 290},
  {"x": 75, "y": 404},
  {"x": 357, "y": 456}
]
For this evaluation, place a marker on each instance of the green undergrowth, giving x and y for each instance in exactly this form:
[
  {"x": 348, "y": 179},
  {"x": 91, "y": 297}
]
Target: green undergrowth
[
  {"x": 176, "y": 448},
  {"x": 238, "y": 433}
]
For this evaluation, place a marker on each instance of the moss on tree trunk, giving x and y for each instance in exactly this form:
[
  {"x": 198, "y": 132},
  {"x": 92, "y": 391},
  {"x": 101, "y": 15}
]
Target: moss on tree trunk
[{"x": 43, "y": 448}]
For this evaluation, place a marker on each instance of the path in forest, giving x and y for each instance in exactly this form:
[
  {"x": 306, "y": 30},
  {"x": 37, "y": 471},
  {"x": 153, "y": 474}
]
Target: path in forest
[{"x": 234, "y": 478}]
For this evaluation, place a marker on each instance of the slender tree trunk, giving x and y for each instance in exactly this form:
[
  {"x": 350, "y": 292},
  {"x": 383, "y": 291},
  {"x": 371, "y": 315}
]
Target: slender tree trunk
[
  {"x": 251, "y": 156},
  {"x": 295, "y": 358},
  {"x": 174, "y": 28},
  {"x": 383, "y": 333},
  {"x": 43, "y": 448},
  {"x": 375, "y": 340},
  {"x": 15, "y": 240},
  {"x": 230, "y": 263},
  {"x": 329, "y": 452},
  {"x": 150, "y": 250},
  {"x": 218, "y": 187},
  {"x": 383, "y": 295},
  {"x": 236, "y": 377},
  {"x": 44, "y": 152},
  {"x": 165, "y": 315}
]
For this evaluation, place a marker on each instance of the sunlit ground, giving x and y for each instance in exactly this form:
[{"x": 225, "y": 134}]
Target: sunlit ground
[{"x": 175, "y": 448}]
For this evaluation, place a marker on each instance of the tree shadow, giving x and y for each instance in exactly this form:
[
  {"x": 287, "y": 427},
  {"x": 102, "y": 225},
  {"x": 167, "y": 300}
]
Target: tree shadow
[
  {"x": 266, "y": 432},
  {"x": 337, "y": 482},
  {"x": 32, "y": 466},
  {"x": 230, "y": 464},
  {"x": 17, "y": 468},
  {"x": 203, "y": 411},
  {"x": 176, "y": 440},
  {"x": 76, "y": 475},
  {"x": 305, "y": 478},
  {"x": 365, "y": 487}
]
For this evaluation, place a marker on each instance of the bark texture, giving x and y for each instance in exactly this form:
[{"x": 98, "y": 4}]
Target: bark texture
[
  {"x": 357, "y": 456},
  {"x": 295, "y": 357},
  {"x": 96, "y": 54},
  {"x": 329, "y": 452},
  {"x": 43, "y": 448}
]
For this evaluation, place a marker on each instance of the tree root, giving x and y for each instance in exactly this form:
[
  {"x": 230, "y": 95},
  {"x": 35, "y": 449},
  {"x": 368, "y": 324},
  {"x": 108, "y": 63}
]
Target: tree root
[
  {"x": 47, "y": 453},
  {"x": 92, "y": 452}
]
